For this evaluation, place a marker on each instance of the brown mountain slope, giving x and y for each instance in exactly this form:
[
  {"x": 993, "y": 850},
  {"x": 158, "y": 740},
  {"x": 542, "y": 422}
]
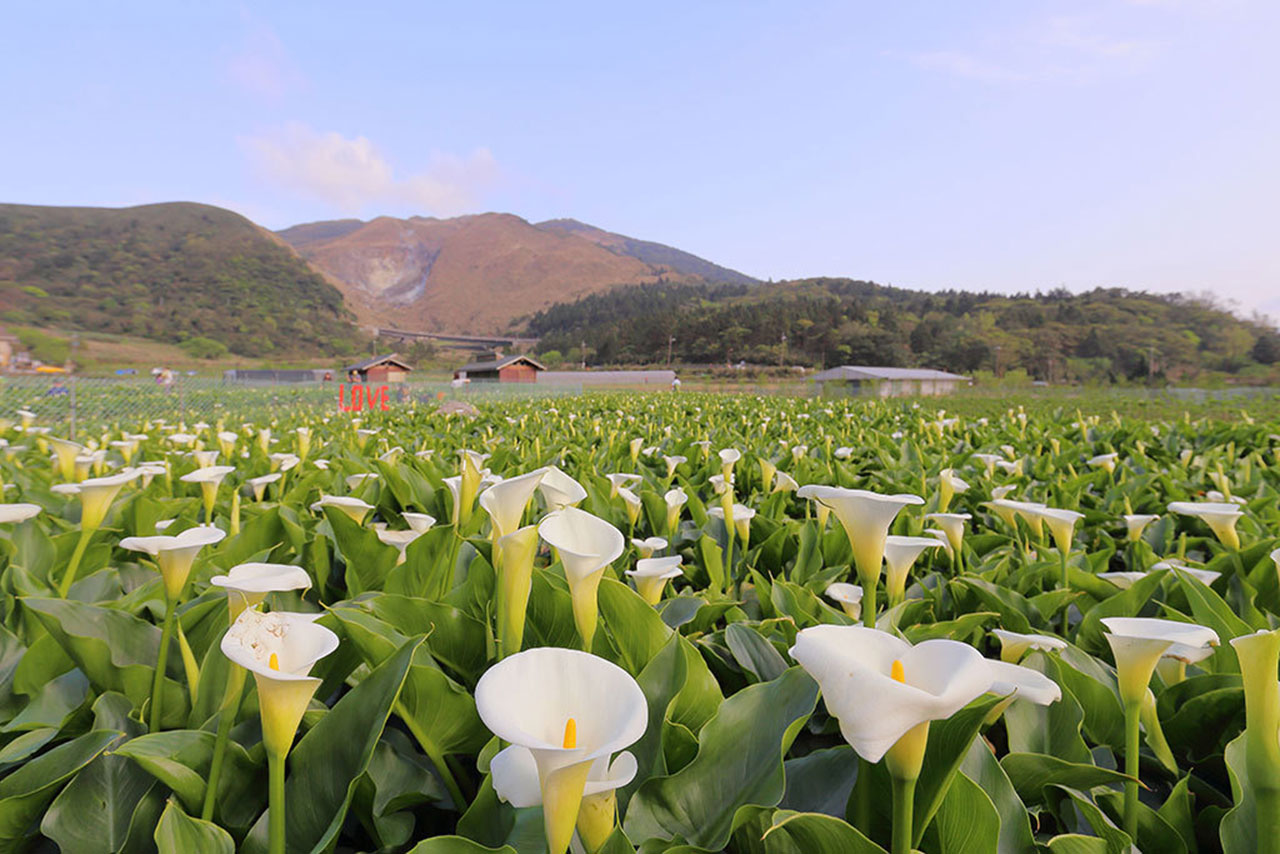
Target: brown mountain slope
[{"x": 473, "y": 274}]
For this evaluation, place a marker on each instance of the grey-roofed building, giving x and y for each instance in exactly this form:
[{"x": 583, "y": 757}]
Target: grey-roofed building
[
  {"x": 508, "y": 369},
  {"x": 886, "y": 382},
  {"x": 380, "y": 369}
]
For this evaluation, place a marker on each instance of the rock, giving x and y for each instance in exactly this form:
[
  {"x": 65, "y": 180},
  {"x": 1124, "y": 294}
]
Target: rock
[{"x": 458, "y": 407}]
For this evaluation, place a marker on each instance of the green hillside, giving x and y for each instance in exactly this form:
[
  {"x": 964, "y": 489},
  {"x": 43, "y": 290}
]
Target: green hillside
[
  {"x": 1105, "y": 335},
  {"x": 173, "y": 272}
]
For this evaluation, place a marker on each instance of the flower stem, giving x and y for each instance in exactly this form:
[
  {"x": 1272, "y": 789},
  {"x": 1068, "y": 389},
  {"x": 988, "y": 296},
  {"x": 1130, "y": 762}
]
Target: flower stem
[
  {"x": 157, "y": 684},
  {"x": 869, "y": 602},
  {"x": 69, "y": 576},
  {"x": 904, "y": 793},
  {"x": 275, "y": 803},
  {"x": 862, "y": 797},
  {"x": 1132, "y": 713},
  {"x": 230, "y": 705}
]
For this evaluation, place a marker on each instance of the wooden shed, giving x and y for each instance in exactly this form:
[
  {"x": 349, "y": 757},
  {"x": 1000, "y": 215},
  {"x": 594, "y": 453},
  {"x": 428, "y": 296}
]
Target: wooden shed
[
  {"x": 508, "y": 369},
  {"x": 380, "y": 369}
]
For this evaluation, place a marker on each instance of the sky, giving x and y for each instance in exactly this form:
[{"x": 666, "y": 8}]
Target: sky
[{"x": 1006, "y": 145}]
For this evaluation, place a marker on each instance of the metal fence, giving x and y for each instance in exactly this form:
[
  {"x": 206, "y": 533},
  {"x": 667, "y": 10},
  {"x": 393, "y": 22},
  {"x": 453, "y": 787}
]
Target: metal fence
[{"x": 73, "y": 404}]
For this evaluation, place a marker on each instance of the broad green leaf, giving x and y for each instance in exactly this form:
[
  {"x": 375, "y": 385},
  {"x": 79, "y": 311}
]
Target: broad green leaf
[
  {"x": 754, "y": 654},
  {"x": 815, "y": 833},
  {"x": 456, "y": 845},
  {"x": 1030, "y": 773},
  {"x": 739, "y": 763},
  {"x": 967, "y": 819},
  {"x": 25, "y": 793},
  {"x": 178, "y": 833}
]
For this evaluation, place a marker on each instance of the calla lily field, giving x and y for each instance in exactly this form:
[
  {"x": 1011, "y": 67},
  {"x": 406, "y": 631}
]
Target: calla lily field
[{"x": 658, "y": 623}]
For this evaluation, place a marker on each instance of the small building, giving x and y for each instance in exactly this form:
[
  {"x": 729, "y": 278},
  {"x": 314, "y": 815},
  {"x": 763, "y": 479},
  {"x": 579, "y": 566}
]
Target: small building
[
  {"x": 507, "y": 369},
  {"x": 608, "y": 379},
  {"x": 885, "y": 382},
  {"x": 9, "y": 345},
  {"x": 380, "y": 369}
]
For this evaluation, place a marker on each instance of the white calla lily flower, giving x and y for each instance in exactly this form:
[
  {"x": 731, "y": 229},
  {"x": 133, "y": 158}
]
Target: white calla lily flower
[
  {"x": 247, "y": 584},
  {"x": 1221, "y": 517},
  {"x": 559, "y": 490},
  {"x": 587, "y": 544},
  {"x": 900, "y": 553},
  {"x": 652, "y": 574},
  {"x": 1014, "y": 645},
  {"x": 568, "y": 709},
  {"x": 649, "y": 545},
  {"x": 505, "y": 502},
  {"x": 356, "y": 508},
  {"x": 175, "y": 554},
  {"x": 848, "y": 595},
  {"x": 10, "y": 513}
]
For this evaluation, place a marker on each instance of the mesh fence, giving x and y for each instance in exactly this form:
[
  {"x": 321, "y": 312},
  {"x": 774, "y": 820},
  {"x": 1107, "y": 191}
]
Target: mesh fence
[{"x": 70, "y": 404}]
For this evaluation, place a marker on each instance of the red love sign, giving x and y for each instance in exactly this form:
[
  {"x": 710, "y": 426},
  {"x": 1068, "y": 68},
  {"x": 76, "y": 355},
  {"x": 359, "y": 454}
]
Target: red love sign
[{"x": 362, "y": 397}]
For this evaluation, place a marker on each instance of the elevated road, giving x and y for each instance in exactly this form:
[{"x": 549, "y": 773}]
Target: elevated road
[{"x": 462, "y": 342}]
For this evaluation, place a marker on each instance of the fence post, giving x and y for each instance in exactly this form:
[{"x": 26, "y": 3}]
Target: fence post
[{"x": 73, "y": 407}]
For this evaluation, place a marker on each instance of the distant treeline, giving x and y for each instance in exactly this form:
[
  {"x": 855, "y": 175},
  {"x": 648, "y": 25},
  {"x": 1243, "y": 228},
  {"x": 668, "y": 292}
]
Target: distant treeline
[{"x": 1102, "y": 335}]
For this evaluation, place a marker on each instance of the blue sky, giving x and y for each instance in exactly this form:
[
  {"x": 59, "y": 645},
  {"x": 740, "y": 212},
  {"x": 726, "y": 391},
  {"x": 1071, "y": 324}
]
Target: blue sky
[{"x": 1009, "y": 146}]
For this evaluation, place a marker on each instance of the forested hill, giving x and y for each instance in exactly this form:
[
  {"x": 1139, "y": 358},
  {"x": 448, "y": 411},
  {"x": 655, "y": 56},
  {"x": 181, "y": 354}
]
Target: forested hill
[
  {"x": 170, "y": 272},
  {"x": 1105, "y": 334}
]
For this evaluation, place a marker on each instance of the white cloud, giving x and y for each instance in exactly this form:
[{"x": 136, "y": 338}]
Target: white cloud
[
  {"x": 1068, "y": 48},
  {"x": 352, "y": 175},
  {"x": 261, "y": 64}
]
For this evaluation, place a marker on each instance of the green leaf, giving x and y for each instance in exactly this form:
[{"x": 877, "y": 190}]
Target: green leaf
[
  {"x": 368, "y": 559},
  {"x": 980, "y": 766},
  {"x": 1075, "y": 843},
  {"x": 753, "y": 653},
  {"x": 178, "y": 833},
  {"x": 117, "y": 651},
  {"x": 815, "y": 833},
  {"x": 635, "y": 627},
  {"x": 739, "y": 763},
  {"x": 25, "y": 793},
  {"x": 328, "y": 761},
  {"x": 967, "y": 819},
  {"x": 180, "y": 759},
  {"x": 456, "y": 845},
  {"x": 821, "y": 781},
  {"x": 1031, "y": 772}
]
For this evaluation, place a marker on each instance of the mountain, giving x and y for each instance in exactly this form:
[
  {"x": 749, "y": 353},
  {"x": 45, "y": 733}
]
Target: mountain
[
  {"x": 1104, "y": 335},
  {"x": 485, "y": 273},
  {"x": 170, "y": 272},
  {"x": 657, "y": 254}
]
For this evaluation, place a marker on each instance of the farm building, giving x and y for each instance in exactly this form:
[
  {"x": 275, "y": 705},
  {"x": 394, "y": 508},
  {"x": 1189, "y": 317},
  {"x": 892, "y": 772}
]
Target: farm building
[
  {"x": 506, "y": 369},
  {"x": 380, "y": 369},
  {"x": 886, "y": 382}
]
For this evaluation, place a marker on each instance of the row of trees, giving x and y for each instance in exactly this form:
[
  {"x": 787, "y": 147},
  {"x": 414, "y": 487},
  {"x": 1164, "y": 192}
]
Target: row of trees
[{"x": 1103, "y": 335}]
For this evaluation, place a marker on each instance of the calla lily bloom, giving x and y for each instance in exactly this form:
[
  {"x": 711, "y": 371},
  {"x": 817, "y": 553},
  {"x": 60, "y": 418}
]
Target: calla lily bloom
[
  {"x": 227, "y": 442},
  {"x": 989, "y": 463},
  {"x": 10, "y": 513},
  {"x": 649, "y": 545},
  {"x": 652, "y": 574},
  {"x": 354, "y": 481},
  {"x": 247, "y": 584},
  {"x": 568, "y": 709},
  {"x": 204, "y": 459},
  {"x": 900, "y": 554},
  {"x": 399, "y": 539},
  {"x": 515, "y": 780},
  {"x": 66, "y": 452},
  {"x": 675, "y": 499},
  {"x": 783, "y": 482},
  {"x": 1014, "y": 645},
  {"x": 587, "y": 545},
  {"x": 728, "y": 457},
  {"x": 1138, "y": 643},
  {"x": 848, "y": 595},
  {"x": 949, "y": 485},
  {"x": 279, "y": 649},
  {"x": 742, "y": 516},
  {"x": 620, "y": 479},
  {"x": 209, "y": 478},
  {"x": 767, "y": 472},
  {"x": 1123, "y": 580},
  {"x": 1259, "y": 656},
  {"x": 866, "y": 517},
  {"x": 721, "y": 484},
  {"x": 174, "y": 555},
  {"x": 420, "y": 522},
  {"x": 505, "y": 502},
  {"x": 1062, "y": 525},
  {"x": 353, "y": 507},
  {"x": 633, "y": 504},
  {"x": 96, "y": 495},
  {"x": 1221, "y": 517},
  {"x": 1022, "y": 683},
  {"x": 1135, "y": 524},
  {"x": 559, "y": 490},
  {"x": 853, "y": 666},
  {"x": 952, "y": 524},
  {"x": 259, "y": 484},
  {"x": 1106, "y": 462},
  {"x": 672, "y": 463}
]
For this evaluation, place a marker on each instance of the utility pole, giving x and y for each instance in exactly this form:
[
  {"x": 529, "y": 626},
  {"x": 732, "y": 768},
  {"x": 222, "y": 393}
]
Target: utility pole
[
  {"x": 584, "y": 355},
  {"x": 1151, "y": 364},
  {"x": 671, "y": 339},
  {"x": 782, "y": 355},
  {"x": 998, "y": 347}
]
